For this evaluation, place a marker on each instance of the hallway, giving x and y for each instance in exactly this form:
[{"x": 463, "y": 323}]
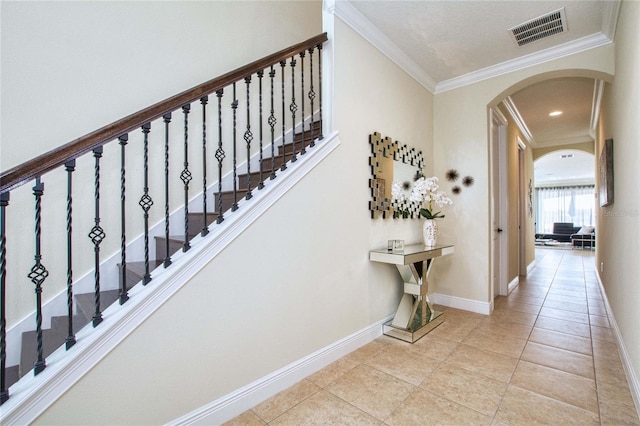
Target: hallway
[{"x": 547, "y": 355}]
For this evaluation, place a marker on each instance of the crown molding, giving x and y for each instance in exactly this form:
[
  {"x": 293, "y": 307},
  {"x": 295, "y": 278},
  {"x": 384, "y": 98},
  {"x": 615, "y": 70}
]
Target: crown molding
[
  {"x": 610, "y": 19},
  {"x": 361, "y": 25},
  {"x": 517, "y": 118},
  {"x": 546, "y": 55}
]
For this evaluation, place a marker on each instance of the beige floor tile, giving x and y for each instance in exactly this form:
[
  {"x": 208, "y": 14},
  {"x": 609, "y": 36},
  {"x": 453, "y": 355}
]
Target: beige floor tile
[
  {"x": 514, "y": 316},
  {"x": 599, "y": 321},
  {"x": 606, "y": 350},
  {"x": 522, "y": 407},
  {"x": 556, "y": 384},
  {"x": 332, "y": 372},
  {"x": 499, "y": 326},
  {"x": 564, "y": 315},
  {"x": 570, "y": 299},
  {"x": 467, "y": 388},
  {"x": 567, "y": 306},
  {"x": 597, "y": 310},
  {"x": 323, "y": 408},
  {"x": 499, "y": 343},
  {"x": 568, "y": 342},
  {"x": 434, "y": 347},
  {"x": 610, "y": 372},
  {"x": 426, "y": 408},
  {"x": 368, "y": 351},
  {"x": 248, "y": 418},
  {"x": 539, "y": 292},
  {"x": 285, "y": 400},
  {"x": 508, "y": 305},
  {"x": 452, "y": 329},
  {"x": 560, "y": 359},
  {"x": 371, "y": 390},
  {"x": 563, "y": 326},
  {"x": 617, "y": 404},
  {"x": 409, "y": 365},
  {"x": 490, "y": 364},
  {"x": 602, "y": 334},
  {"x": 536, "y": 301}
]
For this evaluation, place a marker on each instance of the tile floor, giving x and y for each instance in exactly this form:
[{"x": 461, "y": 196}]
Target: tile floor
[{"x": 545, "y": 356}]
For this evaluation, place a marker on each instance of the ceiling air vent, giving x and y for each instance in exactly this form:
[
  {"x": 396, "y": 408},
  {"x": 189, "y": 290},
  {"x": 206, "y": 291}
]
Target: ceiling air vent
[{"x": 543, "y": 26}]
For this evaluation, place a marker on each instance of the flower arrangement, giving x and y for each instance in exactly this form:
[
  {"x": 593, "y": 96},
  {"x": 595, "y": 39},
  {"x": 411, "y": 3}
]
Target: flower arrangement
[
  {"x": 399, "y": 192},
  {"x": 425, "y": 191}
]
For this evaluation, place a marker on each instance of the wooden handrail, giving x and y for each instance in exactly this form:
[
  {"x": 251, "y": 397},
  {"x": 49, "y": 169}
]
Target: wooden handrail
[{"x": 37, "y": 166}]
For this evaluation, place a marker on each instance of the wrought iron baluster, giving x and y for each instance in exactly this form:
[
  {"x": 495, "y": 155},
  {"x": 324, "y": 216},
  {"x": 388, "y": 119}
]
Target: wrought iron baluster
[
  {"x": 284, "y": 130},
  {"x": 272, "y": 124},
  {"x": 97, "y": 234},
  {"x": 146, "y": 202},
  {"x": 220, "y": 156},
  {"x": 293, "y": 108},
  {"x": 248, "y": 137},
  {"x": 321, "y": 136},
  {"x": 185, "y": 176},
  {"x": 38, "y": 275},
  {"x": 167, "y": 256},
  {"x": 260, "y": 76},
  {"x": 205, "y": 228},
  {"x": 302, "y": 54},
  {"x": 70, "y": 340},
  {"x": 124, "y": 295},
  {"x": 312, "y": 96},
  {"x": 4, "y": 390},
  {"x": 234, "y": 107}
]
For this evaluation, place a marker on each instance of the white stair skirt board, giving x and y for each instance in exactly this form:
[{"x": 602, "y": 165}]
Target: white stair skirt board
[
  {"x": 243, "y": 399},
  {"x": 31, "y": 396},
  {"x": 632, "y": 376},
  {"x": 476, "y": 306}
]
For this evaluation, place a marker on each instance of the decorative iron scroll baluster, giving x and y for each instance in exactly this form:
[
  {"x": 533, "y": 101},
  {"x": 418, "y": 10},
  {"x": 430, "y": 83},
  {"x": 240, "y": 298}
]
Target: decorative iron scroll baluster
[
  {"x": 70, "y": 340},
  {"x": 205, "y": 228},
  {"x": 248, "y": 137},
  {"x": 272, "y": 124},
  {"x": 4, "y": 391},
  {"x": 146, "y": 202},
  {"x": 312, "y": 96},
  {"x": 260, "y": 76},
  {"x": 167, "y": 119},
  {"x": 220, "y": 156},
  {"x": 321, "y": 136},
  {"x": 37, "y": 275},
  {"x": 284, "y": 130},
  {"x": 97, "y": 235},
  {"x": 185, "y": 176},
  {"x": 123, "y": 296},
  {"x": 293, "y": 108},
  {"x": 303, "y": 149},
  {"x": 234, "y": 107}
]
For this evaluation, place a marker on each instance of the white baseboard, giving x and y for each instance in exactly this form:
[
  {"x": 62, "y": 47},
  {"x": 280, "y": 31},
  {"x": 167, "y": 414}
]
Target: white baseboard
[
  {"x": 243, "y": 399},
  {"x": 476, "y": 306},
  {"x": 632, "y": 377},
  {"x": 513, "y": 284},
  {"x": 531, "y": 266}
]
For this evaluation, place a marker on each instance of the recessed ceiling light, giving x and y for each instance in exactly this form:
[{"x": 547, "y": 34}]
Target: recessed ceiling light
[{"x": 555, "y": 113}]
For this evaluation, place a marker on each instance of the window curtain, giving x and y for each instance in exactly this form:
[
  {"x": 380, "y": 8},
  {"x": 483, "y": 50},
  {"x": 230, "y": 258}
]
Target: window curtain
[{"x": 574, "y": 204}]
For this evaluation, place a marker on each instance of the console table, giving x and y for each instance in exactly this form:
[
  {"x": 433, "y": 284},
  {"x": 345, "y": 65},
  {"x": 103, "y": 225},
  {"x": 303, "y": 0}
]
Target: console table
[{"x": 415, "y": 315}]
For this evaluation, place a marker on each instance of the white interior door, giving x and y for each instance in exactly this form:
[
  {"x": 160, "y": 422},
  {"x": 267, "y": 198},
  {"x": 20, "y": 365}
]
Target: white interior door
[{"x": 499, "y": 237}]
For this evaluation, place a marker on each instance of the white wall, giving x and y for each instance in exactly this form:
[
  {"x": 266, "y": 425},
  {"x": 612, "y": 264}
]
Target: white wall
[
  {"x": 618, "y": 226},
  {"x": 460, "y": 142},
  {"x": 297, "y": 280}
]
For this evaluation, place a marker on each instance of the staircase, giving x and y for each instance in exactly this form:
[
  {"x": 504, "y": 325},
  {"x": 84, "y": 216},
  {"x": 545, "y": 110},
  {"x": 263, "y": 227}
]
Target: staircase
[{"x": 56, "y": 336}]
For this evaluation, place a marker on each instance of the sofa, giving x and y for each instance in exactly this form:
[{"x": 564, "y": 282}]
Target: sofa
[{"x": 562, "y": 232}]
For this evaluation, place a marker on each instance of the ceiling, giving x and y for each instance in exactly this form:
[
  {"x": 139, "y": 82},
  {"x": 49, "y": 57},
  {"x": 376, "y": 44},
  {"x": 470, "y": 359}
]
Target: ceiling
[{"x": 453, "y": 43}]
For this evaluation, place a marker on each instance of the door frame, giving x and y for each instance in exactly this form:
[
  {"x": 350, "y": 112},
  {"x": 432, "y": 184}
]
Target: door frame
[{"x": 499, "y": 212}]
